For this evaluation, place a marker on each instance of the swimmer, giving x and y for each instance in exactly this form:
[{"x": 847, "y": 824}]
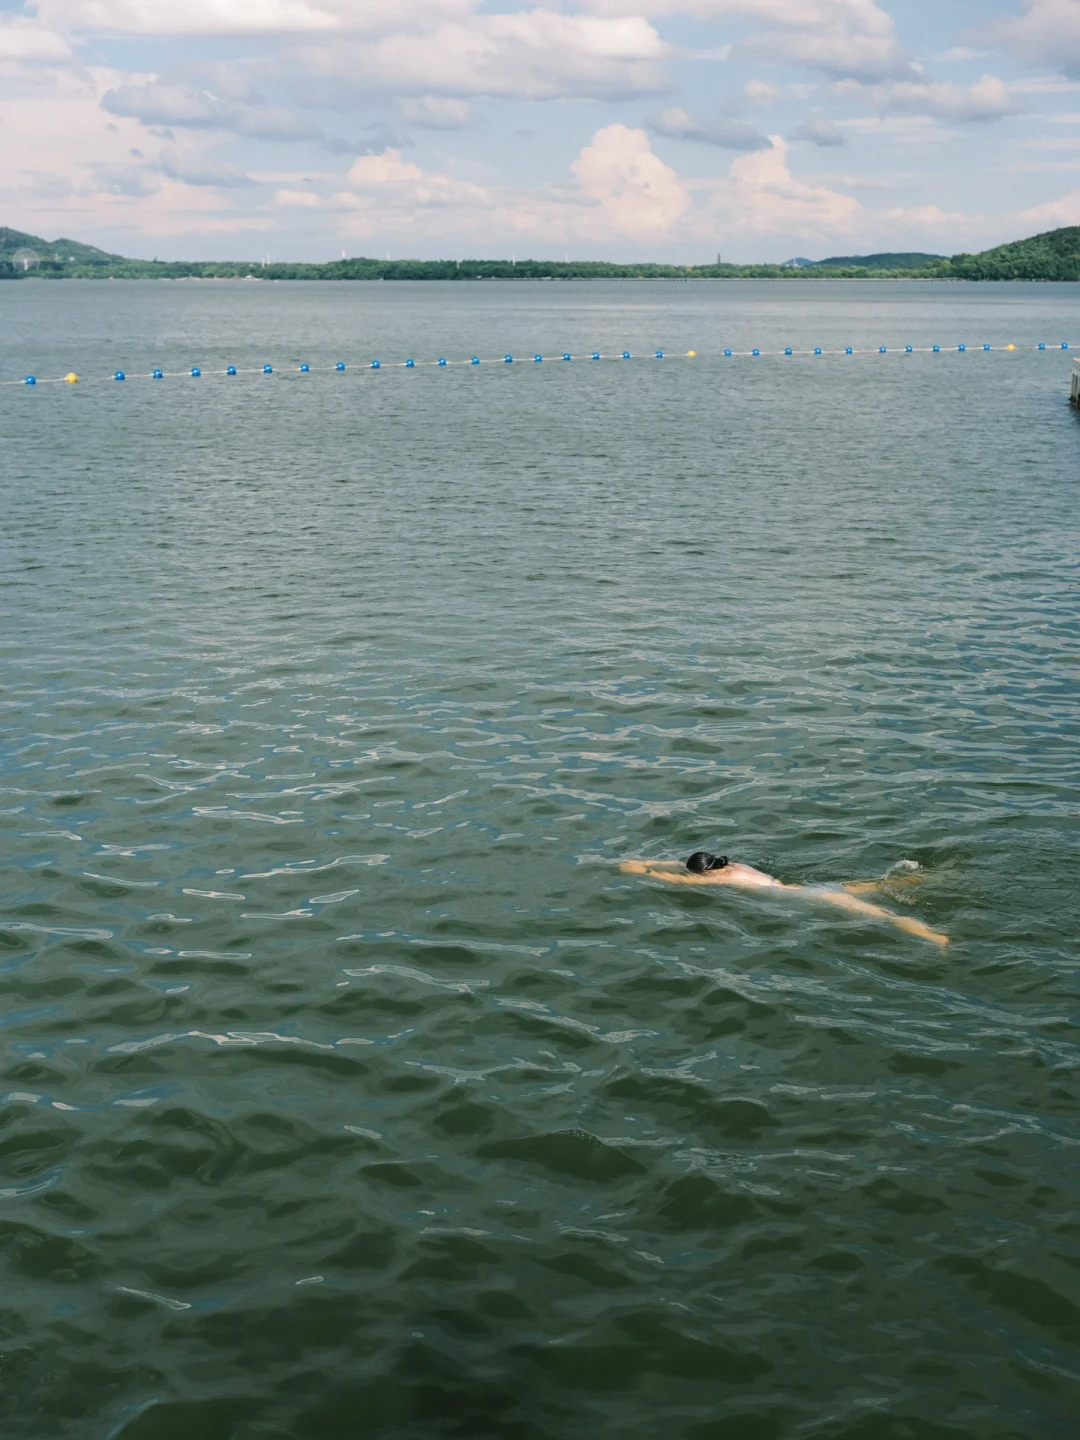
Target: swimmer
[{"x": 705, "y": 869}]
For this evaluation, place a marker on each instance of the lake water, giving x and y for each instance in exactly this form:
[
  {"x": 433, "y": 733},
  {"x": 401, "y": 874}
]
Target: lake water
[{"x": 349, "y": 1090}]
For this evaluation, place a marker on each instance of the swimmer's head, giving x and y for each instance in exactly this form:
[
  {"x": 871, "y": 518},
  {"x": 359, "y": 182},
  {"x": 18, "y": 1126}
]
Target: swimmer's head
[{"x": 701, "y": 861}]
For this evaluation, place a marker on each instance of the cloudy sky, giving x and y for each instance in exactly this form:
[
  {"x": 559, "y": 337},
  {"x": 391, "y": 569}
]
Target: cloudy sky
[{"x": 661, "y": 129}]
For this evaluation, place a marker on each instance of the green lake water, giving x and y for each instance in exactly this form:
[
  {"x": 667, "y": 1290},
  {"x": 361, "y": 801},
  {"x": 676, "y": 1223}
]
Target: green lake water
[{"x": 347, "y": 1089}]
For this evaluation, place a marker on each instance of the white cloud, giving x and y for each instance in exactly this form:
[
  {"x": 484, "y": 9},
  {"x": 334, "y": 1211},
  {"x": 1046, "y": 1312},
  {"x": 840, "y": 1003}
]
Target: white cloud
[
  {"x": 1064, "y": 211},
  {"x": 168, "y": 151},
  {"x": 924, "y": 217},
  {"x": 435, "y": 112},
  {"x": 836, "y": 52},
  {"x": 1047, "y": 33},
  {"x": 1042, "y": 167},
  {"x": 536, "y": 55},
  {"x": 161, "y": 102},
  {"x": 989, "y": 98},
  {"x": 192, "y": 17},
  {"x": 819, "y": 131},
  {"x": 762, "y": 92},
  {"x": 762, "y": 197},
  {"x": 194, "y": 170},
  {"x": 248, "y": 17},
  {"x": 1052, "y": 142},
  {"x": 851, "y": 182},
  {"x": 62, "y": 134},
  {"x": 1046, "y": 85},
  {"x": 76, "y": 171},
  {"x": 679, "y": 124},
  {"x": 622, "y": 191},
  {"x": 298, "y": 199},
  {"x": 149, "y": 175},
  {"x": 412, "y": 185},
  {"x": 841, "y": 38},
  {"x": 125, "y": 179},
  {"x": 22, "y": 39},
  {"x": 902, "y": 129},
  {"x": 639, "y": 195}
]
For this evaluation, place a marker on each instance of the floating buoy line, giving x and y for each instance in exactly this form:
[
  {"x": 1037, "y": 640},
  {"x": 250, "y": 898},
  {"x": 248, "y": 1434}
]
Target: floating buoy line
[{"x": 340, "y": 367}]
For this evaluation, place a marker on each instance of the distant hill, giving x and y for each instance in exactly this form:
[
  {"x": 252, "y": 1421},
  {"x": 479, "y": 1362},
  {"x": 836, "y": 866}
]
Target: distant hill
[
  {"x": 904, "y": 260},
  {"x": 52, "y": 252},
  {"x": 1054, "y": 255}
]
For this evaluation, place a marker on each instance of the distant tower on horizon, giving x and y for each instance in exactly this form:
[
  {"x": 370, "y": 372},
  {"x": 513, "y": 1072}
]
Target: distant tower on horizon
[{"x": 719, "y": 260}]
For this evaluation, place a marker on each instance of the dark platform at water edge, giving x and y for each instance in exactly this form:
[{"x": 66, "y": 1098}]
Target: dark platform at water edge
[{"x": 348, "y": 1089}]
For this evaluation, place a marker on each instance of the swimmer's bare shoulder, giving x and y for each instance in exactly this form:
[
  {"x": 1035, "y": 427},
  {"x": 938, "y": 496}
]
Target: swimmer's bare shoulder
[{"x": 732, "y": 873}]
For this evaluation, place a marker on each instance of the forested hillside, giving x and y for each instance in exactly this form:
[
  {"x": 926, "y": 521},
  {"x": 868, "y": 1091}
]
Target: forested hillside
[{"x": 1054, "y": 255}]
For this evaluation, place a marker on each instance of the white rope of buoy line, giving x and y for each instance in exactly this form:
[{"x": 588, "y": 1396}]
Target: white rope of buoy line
[{"x": 340, "y": 366}]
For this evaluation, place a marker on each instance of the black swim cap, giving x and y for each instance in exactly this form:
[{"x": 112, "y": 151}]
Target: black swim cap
[{"x": 701, "y": 861}]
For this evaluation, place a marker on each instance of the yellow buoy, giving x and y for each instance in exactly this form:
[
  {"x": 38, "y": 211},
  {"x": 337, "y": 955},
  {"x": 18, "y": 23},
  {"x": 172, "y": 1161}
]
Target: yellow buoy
[
  {"x": 71, "y": 379},
  {"x": 691, "y": 354},
  {"x": 1010, "y": 347}
]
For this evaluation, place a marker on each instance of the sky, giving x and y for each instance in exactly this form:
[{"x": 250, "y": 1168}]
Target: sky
[{"x": 670, "y": 130}]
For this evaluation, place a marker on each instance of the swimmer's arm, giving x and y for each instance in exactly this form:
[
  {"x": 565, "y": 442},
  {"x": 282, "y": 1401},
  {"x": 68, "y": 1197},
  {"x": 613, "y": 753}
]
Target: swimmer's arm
[
  {"x": 903, "y": 922},
  {"x": 862, "y": 887},
  {"x": 670, "y": 870}
]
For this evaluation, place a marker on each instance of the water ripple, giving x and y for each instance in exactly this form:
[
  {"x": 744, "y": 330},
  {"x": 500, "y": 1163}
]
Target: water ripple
[{"x": 454, "y": 1127}]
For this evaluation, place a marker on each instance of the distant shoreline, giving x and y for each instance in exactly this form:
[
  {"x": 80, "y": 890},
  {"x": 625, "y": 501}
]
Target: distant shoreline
[
  {"x": 1052, "y": 256},
  {"x": 785, "y": 275},
  {"x": 437, "y": 270}
]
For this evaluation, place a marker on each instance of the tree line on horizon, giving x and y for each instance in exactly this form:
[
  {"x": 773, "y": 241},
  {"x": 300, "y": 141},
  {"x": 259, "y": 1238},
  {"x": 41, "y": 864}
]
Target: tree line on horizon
[{"x": 1054, "y": 255}]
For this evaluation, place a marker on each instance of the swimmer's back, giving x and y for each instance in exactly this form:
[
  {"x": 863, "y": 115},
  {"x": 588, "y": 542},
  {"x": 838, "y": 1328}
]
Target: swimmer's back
[{"x": 747, "y": 878}]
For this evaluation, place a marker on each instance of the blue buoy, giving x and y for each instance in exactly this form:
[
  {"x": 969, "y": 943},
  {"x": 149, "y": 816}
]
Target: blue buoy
[
  {"x": 195, "y": 372},
  {"x": 30, "y": 380},
  {"x": 268, "y": 369},
  {"x": 986, "y": 347},
  {"x": 305, "y": 369},
  {"x": 817, "y": 350},
  {"x": 961, "y": 348},
  {"x": 230, "y": 370},
  {"x": 1064, "y": 345},
  {"x": 568, "y": 356},
  {"x": 626, "y": 354},
  {"x": 340, "y": 365},
  {"x": 788, "y": 351},
  {"x": 755, "y": 352},
  {"x": 937, "y": 349},
  {"x": 849, "y": 351},
  {"x": 158, "y": 375},
  {"x": 596, "y": 354},
  {"x": 659, "y": 354},
  {"x": 119, "y": 375},
  {"x": 410, "y": 364},
  {"x": 441, "y": 361},
  {"x": 910, "y": 349},
  {"x": 538, "y": 359},
  {"x": 1041, "y": 345},
  {"x": 508, "y": 359},
  {"x": 375, "y": 365},
  {"x": 881, "y": 350},
  {"x": 476, "y": 360}
]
